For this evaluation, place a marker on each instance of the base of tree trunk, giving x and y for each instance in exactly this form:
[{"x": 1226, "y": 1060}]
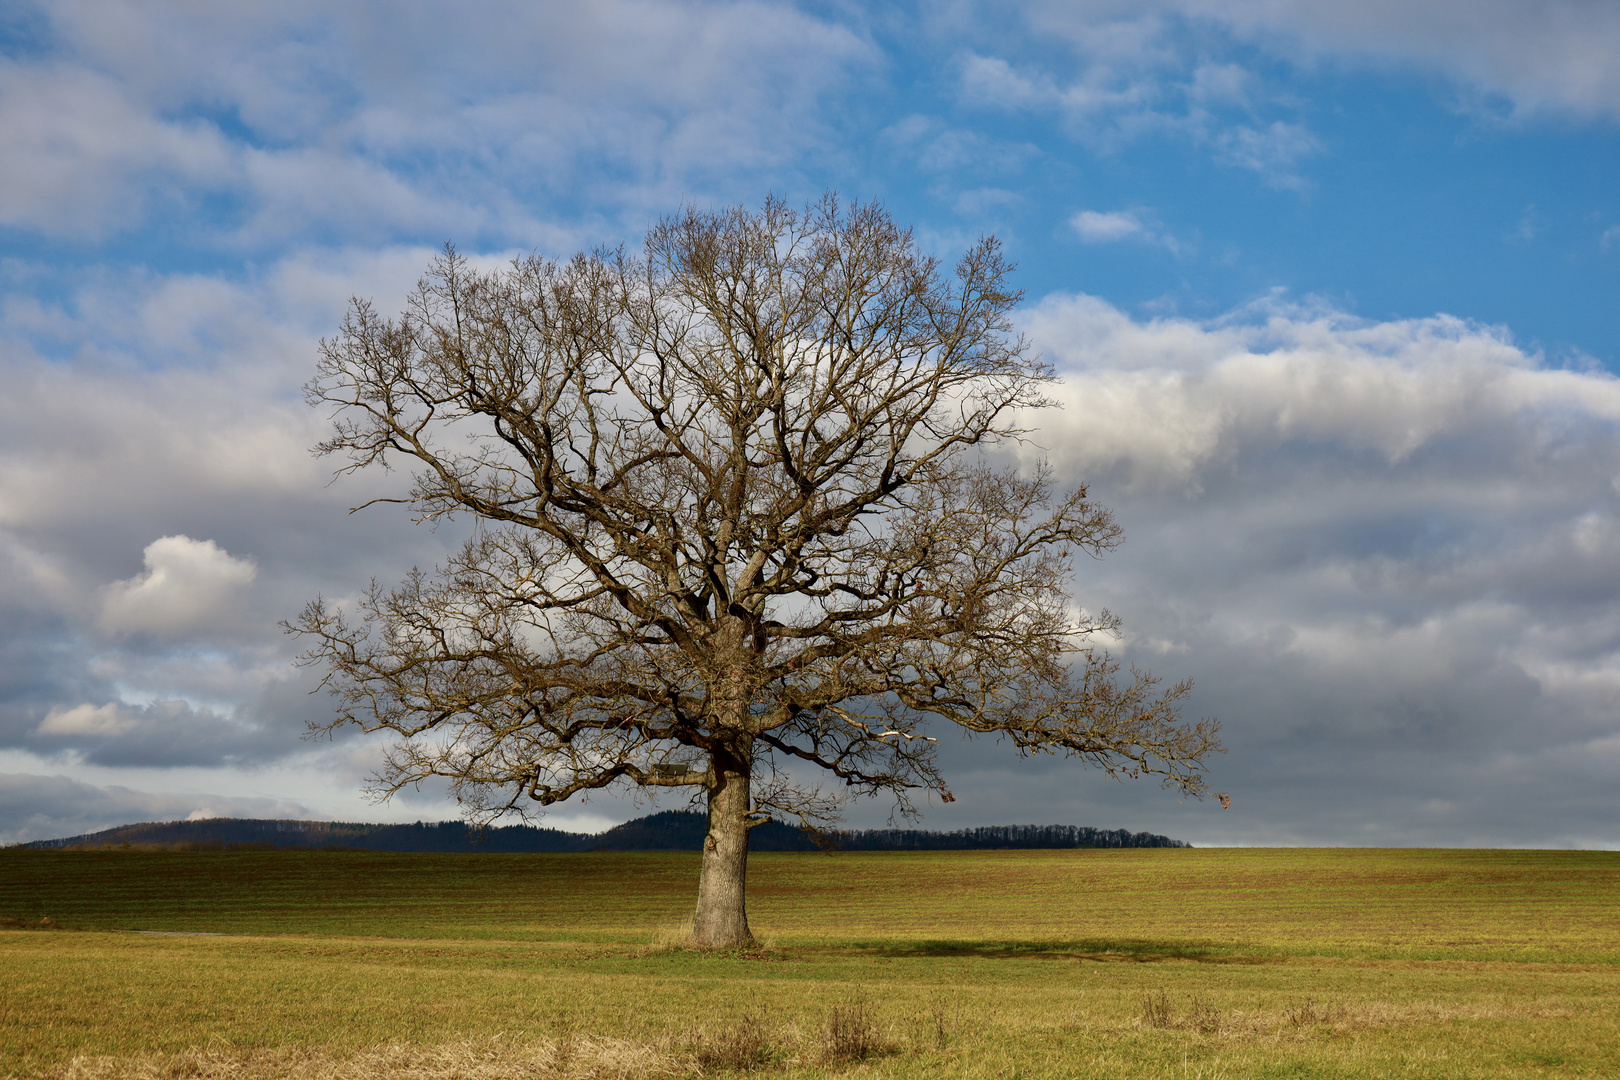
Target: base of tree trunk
[{"x": 721, "y": 921}]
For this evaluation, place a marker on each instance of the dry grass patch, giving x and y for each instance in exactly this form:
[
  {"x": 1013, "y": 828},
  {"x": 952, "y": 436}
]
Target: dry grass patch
[
  {"x": 567, "y": 1057},
  {"x": 1307, "y": 1017},
  {"x": 851, "y": 1033},
  {"x": 745, "y": 1044},
  {"x": 1160, "y": 1010}
]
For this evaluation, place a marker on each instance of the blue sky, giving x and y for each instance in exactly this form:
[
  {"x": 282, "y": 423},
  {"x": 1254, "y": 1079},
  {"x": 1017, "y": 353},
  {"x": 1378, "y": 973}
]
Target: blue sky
[{"x": 1332, "y": 289}]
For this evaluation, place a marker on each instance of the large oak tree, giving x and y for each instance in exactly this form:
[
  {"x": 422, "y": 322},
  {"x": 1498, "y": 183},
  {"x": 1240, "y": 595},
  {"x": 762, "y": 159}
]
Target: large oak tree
[{"x": 734, "y": 524}]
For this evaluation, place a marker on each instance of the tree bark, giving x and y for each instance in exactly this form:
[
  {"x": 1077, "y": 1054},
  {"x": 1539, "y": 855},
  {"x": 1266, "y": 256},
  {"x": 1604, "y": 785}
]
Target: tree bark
[{"x": 722, "y": 913}]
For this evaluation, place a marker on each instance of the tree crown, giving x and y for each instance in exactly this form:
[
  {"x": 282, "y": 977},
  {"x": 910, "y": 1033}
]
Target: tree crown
[{"x": 731, "y": 500}]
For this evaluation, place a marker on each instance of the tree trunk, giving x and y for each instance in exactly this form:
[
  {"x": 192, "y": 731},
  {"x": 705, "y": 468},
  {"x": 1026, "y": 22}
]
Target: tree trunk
[{"x": 722, "y": 913}]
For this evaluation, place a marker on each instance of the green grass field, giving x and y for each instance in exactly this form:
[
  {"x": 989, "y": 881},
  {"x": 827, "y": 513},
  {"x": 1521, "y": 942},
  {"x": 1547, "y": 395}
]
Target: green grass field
[{"x": 1134, "y": 963}]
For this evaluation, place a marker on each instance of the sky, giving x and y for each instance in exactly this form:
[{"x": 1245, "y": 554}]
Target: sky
[{"x": 1331, "y": 289}]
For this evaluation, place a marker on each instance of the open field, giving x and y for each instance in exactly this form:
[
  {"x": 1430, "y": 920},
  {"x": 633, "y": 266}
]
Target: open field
[{"x": 1133, "y": 963}]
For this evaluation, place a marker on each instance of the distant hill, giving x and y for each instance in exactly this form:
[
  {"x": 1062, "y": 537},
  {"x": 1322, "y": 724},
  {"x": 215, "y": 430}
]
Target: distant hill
[{"x": 672, "y": 830}]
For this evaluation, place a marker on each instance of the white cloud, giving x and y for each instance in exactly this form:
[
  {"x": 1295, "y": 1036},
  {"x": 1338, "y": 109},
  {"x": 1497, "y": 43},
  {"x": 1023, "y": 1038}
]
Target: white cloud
[
  {"x": 122, "y": 358},
  {"x": 369, "y": 122},
  {"x": 1099, "y": 93},
  {"x": 1112, "y": 226},
  {"x": 188, "y": 586},
  {"x": 1537, "y": 55},
  {"x": 992, "y": 81},
  {"x": 1131, "y": 77},
  {"x": 82, "y": 156},
  {"x": 1542, "y": 55},
  {"x": 1096, "y": 227},
  {"x": 167, "y": 734},
  {"x": 1178, "y": 67},
  {"x": 1389, "y": 550},
  {"x": 93, "y": 720},
  {"x": 181, "y": 394},
  {"x": 1169, "y": 399}
]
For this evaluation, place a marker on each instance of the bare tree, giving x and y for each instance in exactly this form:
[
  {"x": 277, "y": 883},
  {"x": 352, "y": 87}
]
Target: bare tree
[{"x": 733, "y": 522}]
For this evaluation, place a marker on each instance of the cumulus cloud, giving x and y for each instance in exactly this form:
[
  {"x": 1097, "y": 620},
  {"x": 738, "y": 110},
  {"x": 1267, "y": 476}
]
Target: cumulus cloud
[
  {"x": 166, "y": 734},
  {"x": 1388, "y": 551},
  {"x": 189, "y": 586},
  {"x": 1167, "y": 401},
  {"x": 181, "y": 663},
  {"x": 109, "y": 719}
]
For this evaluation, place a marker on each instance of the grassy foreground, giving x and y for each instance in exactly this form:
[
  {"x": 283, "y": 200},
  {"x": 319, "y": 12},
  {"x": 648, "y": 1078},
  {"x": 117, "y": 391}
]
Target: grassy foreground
[{"x": 1118, "y": 964}]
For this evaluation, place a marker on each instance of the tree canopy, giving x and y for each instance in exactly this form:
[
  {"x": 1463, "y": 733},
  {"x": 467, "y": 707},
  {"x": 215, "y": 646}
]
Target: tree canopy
[{"x": 735, "y": 526}]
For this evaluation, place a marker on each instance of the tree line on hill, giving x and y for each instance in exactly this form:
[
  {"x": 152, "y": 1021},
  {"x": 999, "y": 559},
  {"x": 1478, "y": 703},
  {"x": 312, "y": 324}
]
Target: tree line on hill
[{"x": 671, "y": 830}]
